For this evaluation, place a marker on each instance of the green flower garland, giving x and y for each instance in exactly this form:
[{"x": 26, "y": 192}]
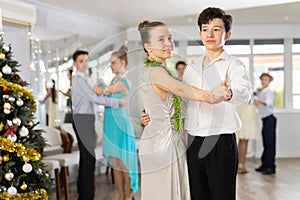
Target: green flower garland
[{"x": 176, "y": 100}]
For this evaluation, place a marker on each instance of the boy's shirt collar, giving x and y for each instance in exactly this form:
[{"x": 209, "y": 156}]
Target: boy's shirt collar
[{"x": 223, "y": 56}]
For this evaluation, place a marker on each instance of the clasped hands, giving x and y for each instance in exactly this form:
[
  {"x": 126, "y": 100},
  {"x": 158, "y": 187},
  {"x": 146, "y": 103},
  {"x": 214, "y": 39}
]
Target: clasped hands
[{"x": 221, "y": 92}]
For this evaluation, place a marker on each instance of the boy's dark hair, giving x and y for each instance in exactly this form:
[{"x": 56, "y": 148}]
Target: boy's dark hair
[
  {"x": 78, "y": 53},
  {"x": 179, "y": 63},
  {"x": 211, "y": 13}
]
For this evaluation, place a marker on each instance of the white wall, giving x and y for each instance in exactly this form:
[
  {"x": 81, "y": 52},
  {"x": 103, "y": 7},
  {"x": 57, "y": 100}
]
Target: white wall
[{"x": 287, "y": 136}]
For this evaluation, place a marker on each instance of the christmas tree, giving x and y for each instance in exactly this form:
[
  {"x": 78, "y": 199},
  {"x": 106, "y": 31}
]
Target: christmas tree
[{"x": 21, "y": 170}]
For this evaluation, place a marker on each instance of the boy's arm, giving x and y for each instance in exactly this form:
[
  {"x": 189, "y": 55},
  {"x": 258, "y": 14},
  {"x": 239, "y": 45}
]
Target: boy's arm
[
  {"x": 240, "y": 84},
  {"x": 87, "y": 92}
]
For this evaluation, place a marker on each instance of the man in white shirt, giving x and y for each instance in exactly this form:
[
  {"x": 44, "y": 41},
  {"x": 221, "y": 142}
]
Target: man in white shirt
[{"x": 264, "y": 101}]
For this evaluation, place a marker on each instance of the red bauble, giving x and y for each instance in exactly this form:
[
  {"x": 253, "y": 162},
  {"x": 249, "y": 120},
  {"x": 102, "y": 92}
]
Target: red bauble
[{"x": 5, "y": 90}]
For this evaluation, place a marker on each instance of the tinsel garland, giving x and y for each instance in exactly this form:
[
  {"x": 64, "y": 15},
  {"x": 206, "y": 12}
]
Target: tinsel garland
[
  {"x": 18, "y": 89},
  {"x": 37, "y": 195},
  {"x": 176, "y": 100},
  {"x": 19, "y": 149}
]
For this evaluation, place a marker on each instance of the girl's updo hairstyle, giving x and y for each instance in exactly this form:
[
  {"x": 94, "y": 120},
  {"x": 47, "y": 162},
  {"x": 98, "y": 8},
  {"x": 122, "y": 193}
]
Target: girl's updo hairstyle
[
  {"x": 121, "y": 54},
  {"x": 145, "y": 27}
]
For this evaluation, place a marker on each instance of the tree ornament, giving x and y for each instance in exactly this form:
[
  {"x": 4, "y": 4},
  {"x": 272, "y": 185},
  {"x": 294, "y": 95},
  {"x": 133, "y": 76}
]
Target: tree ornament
[
  {"x": 9, "y": 176},
  {"x": 5, "y": 90},
  {"x": 9, "y": 122},
  {"x": 24, "y": 131},
  {"x": 12, "y": 137},
  {"x": 12, "y": 190},
  {"x": 12, "y": 99},
  {"x": 16, "y": 121},
  {"x": 39, "y": 171},
  {"x": 3, "y": 189},
  {"x": 6, "y": 158},
  {"x": 6, "y": 69},
  {"x": 30, "y": 124},
  {"x": 1, "y": 126},
  {"x": 7, "y": 106},
  {"x": 25, "y": 159},
  {"x": 23, "y": 186},
  {"x": 10, "y": 131},
  {"x": 6, "y": 111},
  {"x": 1, "y": 74},
  {"x": 19, "y": 102},
  {"x": 2, "y": 56},
  {"x": 6, "y": 48},
  {"x": 27, "y": 168}
]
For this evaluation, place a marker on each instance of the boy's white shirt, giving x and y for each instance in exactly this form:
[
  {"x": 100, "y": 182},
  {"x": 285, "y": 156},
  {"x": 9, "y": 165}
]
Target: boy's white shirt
[
  {"x": 267, "y": 96},
  {"x": 203, "y": 119}
]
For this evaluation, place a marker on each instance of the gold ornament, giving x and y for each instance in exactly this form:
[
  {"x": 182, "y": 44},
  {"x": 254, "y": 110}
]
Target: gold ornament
[
  {"x": 20, "y": 90},
  {"x": 2, "y": 56},
  {"x": 19, "y": 149},
  {"x": 25, "y": 159},
  {"x": 6, "y": 158},
  {"x": 23, "y": 186},
  {"x": 1, "y": 126},
  {"x": 42, "y": 194}
]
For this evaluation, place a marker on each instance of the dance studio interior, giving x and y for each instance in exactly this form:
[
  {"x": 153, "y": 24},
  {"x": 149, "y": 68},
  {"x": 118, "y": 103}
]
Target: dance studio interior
[{"x": 50, "y": 148}]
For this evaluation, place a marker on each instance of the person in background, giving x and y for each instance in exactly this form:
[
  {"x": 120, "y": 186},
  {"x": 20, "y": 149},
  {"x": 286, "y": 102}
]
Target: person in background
[
  {"x": 249, "y": 131},
  {"x": 83, "y": 99},
  {"x": 180, "y": 67},
  {"x": 119, "y": 144},
  {"x": 68, "y": 117},
  {"x": 51, "y": 105},
  {"x": 264, "y": 102}
]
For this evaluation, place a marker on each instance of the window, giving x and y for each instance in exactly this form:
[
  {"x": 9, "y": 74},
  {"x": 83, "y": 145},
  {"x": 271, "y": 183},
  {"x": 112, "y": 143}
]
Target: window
[
  {"x": 238, "y": 47},
  {"x": 296, "y": 74},
  {"x": 272, "y": 64},
  {"x": 296, "y": 81}
]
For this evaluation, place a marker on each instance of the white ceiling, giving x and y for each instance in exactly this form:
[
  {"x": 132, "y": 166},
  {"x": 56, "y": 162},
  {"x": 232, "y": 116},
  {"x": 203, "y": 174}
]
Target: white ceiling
[{"x": 130, "y": 12}]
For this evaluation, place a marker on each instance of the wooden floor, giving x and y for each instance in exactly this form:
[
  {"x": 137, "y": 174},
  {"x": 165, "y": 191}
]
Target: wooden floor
[{"x": 284, "y": 185}]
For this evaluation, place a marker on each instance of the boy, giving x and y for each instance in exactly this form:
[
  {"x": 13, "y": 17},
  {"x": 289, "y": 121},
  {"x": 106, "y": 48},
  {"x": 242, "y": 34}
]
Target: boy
[
  {"x": 212, "y": 154},
  {"x": 264, "y": 101},
  {"x": 180, "y": 67},
  {"x": 83, "y": 100}
]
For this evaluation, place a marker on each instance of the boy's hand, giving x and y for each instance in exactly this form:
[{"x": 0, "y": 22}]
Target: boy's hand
[
  {"x": 123, "y": 101},
  {"x": 145, "y": 118},
  {"x": 221, "y": 92},
  {"x": 101, "y": 82}
]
